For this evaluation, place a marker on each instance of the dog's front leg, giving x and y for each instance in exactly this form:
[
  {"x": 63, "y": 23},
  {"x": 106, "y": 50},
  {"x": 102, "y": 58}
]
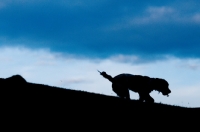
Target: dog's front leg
[
  {"x": 149, "y": 99},
  {"x": 141, "y": 97},
  {"x": 127, "y": 94}
]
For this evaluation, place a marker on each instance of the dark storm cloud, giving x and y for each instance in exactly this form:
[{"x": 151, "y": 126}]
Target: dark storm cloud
[{"x": 104, "y": 28}]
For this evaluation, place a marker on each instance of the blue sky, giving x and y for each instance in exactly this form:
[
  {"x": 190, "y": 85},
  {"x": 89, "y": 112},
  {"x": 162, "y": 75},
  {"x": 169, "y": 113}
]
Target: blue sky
[{"x": 63, "y": 42}]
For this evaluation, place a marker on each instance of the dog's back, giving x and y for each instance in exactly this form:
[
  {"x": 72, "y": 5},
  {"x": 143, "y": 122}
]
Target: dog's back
[
  {"x": 123, "y": 78},
  {"x": 132, "y": 82}
]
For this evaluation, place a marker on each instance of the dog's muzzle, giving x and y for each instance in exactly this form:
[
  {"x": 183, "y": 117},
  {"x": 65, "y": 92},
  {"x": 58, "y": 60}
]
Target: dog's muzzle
[{"x": 166, "y": 93}]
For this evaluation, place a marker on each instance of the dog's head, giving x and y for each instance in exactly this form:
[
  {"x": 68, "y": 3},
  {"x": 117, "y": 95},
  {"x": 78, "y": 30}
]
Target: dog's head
[{"x": 162, "y": 86}]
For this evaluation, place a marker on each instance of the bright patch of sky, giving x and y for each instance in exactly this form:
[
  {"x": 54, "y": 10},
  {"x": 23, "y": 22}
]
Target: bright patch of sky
[{"x": 72, "y": 72}]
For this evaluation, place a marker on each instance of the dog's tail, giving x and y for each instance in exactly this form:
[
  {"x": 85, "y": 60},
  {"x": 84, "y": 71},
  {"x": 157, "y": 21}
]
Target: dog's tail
[{"x": 105, "y": 75}]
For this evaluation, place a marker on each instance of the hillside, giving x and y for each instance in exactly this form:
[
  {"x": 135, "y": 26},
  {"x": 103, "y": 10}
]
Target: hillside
[{"x": 21, "y": 98}]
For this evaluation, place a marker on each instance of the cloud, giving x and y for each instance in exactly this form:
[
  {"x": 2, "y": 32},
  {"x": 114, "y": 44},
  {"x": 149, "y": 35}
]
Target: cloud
[
  {"x": 193, "y": 64},
  {"x": 196, "y": 18},
  {"x": 125, "y": 58},
  {"x": 161, "y": 15},
  {"x": 75, "y": 80},
  {"x": 100, "y": 29},
  {"x": 77, "y": 73},
  {"x": 156, "y": 14},
  {"x": 2, "y": 5}
]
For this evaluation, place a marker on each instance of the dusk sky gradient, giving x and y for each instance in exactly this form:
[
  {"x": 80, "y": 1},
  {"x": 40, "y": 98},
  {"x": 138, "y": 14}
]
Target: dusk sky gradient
[{"x": 63, "y": 43}]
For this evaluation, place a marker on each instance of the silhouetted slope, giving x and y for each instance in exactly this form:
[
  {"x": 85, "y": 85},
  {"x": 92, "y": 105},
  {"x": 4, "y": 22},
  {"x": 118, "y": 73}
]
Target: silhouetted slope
[{"x": 50, "y": 103}]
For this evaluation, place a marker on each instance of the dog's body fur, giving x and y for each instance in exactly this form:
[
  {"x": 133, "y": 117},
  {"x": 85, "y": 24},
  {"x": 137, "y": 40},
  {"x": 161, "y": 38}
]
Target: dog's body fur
[{"x": 143, "y": 85}]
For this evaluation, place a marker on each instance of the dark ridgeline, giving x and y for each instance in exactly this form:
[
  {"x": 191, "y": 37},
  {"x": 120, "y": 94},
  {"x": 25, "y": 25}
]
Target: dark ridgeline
[{"x": 31, "y": 104}]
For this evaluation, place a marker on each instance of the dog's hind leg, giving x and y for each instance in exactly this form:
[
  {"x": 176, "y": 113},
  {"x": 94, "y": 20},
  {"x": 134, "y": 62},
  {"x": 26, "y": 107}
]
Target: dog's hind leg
[{"x": 121, "y": 91}]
